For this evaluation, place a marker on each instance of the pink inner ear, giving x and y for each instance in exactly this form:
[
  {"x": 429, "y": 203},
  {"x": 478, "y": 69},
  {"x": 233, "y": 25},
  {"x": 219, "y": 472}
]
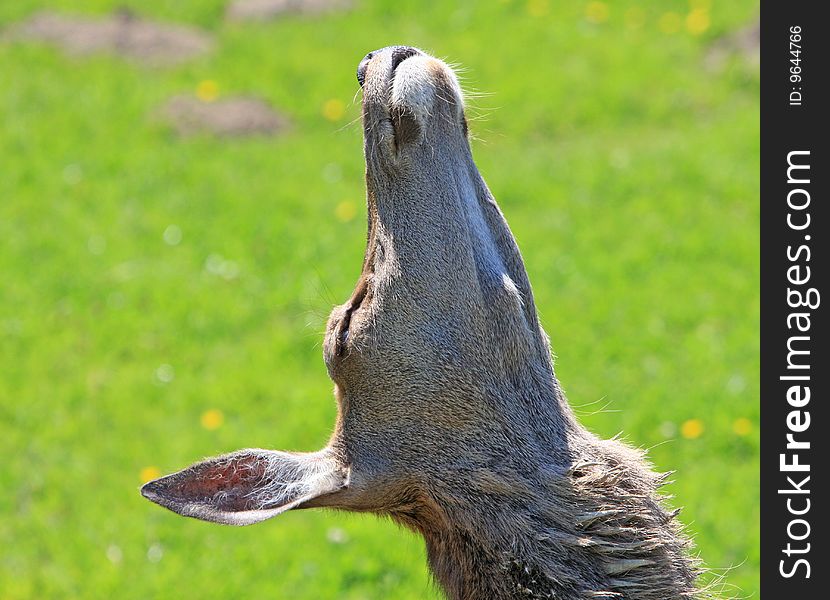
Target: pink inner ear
[{"x": 226, "y": 483}]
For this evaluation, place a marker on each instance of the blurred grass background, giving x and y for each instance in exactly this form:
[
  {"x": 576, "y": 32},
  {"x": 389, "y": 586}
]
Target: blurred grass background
[{"x": 162, "y": 299}]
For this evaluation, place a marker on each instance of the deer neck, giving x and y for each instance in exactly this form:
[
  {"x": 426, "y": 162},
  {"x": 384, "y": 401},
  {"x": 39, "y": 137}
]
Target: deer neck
[{"x": 593, "y": 527}]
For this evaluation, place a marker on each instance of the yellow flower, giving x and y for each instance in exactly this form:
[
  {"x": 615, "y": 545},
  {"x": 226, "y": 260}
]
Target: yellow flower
[
  {"x": 537, "y": 8},
  {"x": 207, "y": 90},
  {"x": 345, "y": 211},
  {"x": 334, "y": 109},
  {"x": 697, "y": 21},
  {"x": 212, "y": 419},
  {"x": 148, "y": 474},
  {"x": 691, "y": 429},
  {"x": 742, "y": 426},
  {"x": 670, "y": 22},
  {"x": 597, "y": 12}
]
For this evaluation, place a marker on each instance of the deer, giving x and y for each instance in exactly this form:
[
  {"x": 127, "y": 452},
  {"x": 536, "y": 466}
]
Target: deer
[{"x": 450, "y": 419}]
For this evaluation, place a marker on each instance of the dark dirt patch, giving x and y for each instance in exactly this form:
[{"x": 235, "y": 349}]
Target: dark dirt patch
[
  {"x": 260, "y": 10},
  {"x": 745, "y": 44},
  {"x": 121, "y": 33},
  {"x": 229, "y": 117}
]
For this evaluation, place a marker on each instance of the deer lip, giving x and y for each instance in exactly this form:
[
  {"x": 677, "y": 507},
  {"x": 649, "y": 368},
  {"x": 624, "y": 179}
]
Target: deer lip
[
  {"x": 400, "y": 54},
  {"x": 395, "y": 66}
]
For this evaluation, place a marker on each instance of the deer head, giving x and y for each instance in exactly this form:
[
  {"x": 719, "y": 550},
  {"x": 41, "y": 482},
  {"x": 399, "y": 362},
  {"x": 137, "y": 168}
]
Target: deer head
[
  {"x": 450, "y": 419},
  {"x": 441, "y": 368}
]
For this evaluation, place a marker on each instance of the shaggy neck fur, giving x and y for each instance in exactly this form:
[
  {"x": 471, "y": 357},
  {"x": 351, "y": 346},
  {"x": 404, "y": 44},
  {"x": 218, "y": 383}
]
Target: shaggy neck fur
[{"x": 594, "y": 530}]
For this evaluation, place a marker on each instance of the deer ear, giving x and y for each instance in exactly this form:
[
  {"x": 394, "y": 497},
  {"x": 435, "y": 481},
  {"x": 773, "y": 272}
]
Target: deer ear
[{"x": 248, "y": 486}]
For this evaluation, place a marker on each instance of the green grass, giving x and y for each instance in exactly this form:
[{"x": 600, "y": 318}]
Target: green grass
[{"x": 629, "y": 174}]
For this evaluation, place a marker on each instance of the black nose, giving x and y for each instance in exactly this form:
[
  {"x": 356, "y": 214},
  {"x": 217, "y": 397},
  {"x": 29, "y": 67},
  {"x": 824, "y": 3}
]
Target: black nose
[
  {"x": 399, "y": 54},
  {"x": 361, "y": 68}
]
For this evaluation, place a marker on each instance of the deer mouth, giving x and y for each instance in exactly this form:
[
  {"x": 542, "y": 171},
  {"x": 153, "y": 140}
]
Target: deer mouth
[
  {"x": 399, "y": 54},
  {"x": 407, "y": 96}
]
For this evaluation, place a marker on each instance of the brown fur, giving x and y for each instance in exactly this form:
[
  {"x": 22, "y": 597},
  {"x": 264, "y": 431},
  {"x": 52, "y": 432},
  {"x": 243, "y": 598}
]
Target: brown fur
[{"x": 451, "y": 420}]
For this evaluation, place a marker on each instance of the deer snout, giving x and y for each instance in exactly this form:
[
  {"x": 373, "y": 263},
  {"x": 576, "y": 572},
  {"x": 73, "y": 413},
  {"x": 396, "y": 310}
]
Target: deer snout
[
  {"x": 399, "y": 54},
  {"x": 406, "y": 95}
]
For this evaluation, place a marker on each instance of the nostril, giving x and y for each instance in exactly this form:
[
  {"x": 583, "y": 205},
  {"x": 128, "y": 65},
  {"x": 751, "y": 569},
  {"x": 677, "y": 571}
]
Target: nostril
[
  {"x": 400, "y": 54},
  {"x": 361, "y": 69}
]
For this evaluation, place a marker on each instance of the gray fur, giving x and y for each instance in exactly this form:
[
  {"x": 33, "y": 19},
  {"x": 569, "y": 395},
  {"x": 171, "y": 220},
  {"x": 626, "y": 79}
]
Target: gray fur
[{"x": 451, "y": 420}]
